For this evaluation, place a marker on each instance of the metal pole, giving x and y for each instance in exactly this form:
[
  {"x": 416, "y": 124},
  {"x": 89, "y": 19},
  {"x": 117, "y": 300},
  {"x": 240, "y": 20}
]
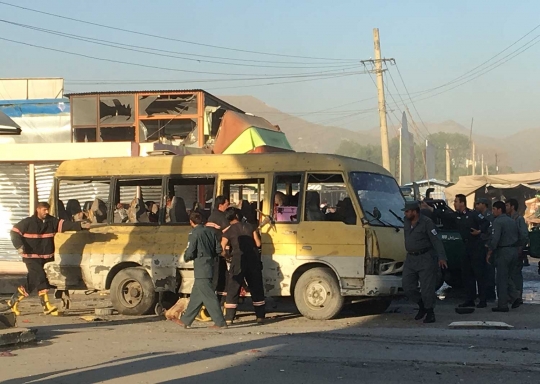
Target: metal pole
[
  {"x": 448, "y": 168},
  {"x": 382, "y": 104}
]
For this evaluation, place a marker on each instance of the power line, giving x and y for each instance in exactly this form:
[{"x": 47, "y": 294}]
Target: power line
[
  {"x": 148, "y": 66},
  {"x": 170, "y": 38},
  {"x": 162, "y": 52}
]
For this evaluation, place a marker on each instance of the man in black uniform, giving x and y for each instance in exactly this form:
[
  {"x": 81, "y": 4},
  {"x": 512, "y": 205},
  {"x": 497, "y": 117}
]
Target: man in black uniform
[
  {"x": 245, "y": 263},
  {"x": 203, "y": 248},
  {"x": 425, "y": 254},
  {"x": 33, "y": 238},
  {"x": 219, "y": 223},
  {"x": 470, "y": 225},
  {"x": 483, "y": 206}
]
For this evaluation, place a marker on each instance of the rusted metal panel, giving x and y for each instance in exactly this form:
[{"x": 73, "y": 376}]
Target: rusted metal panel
[{"x": 14, "y": 204}]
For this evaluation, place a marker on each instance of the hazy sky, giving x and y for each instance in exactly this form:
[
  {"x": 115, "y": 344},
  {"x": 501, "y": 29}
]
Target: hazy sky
[{"x": 432, "y": 42}]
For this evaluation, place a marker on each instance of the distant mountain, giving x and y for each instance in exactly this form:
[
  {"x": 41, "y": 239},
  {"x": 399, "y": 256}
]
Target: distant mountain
[{"x": 518, "y": 151}]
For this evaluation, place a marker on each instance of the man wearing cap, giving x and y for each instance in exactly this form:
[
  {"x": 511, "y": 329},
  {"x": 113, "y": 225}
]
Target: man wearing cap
[
  {"x": 425, "y": 254},
  {"x": 482, "y": 206}
]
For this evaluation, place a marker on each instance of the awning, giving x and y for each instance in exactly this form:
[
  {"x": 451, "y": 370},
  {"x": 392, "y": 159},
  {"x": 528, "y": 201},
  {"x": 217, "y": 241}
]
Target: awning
[
  {"x": 8, "y": 126},
  {"x": 258, "y": 137}
]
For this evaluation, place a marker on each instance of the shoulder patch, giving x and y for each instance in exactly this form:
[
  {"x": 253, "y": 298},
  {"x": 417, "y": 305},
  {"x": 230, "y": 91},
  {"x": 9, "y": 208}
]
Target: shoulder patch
[
  {"x": 434, "y": 231},
  {"x": 480, "y": 216}
]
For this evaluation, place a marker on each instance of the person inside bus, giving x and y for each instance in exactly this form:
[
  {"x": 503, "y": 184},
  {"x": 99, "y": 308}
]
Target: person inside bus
[
  {"x": 313, "y": 210},
  {"x": 348, "y": 213},
  {"x": 250, "y": 215}
]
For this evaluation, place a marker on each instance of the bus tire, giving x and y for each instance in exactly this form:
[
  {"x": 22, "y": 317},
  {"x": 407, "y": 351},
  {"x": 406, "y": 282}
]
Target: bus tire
[
  {"x": 133, "y": 292},
  {"x": 317, "y": 294}
]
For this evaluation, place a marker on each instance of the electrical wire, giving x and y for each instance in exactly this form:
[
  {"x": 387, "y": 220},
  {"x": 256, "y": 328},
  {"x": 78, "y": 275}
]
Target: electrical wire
[
  {"x": 160, "y": 52},
  {"x": 169, "y": 38},
  {"x": 145, "y": 65}
]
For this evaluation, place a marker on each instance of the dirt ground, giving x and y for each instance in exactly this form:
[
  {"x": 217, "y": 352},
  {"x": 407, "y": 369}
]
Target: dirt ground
[{"x": 384, "y": 348}]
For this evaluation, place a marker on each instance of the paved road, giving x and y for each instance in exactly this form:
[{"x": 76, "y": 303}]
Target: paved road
[{"x": 387, "y": 348}]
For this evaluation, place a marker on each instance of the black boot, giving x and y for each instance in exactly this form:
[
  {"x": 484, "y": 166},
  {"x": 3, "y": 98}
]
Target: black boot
[
  {"x": 468, "y": 304},
  {"x": 481, "y": 304},
  {"x": 430, "y": 316},
  {"x": 421, "y": 311}
]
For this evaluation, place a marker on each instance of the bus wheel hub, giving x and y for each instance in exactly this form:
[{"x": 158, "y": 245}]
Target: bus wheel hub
[{"x": 316, "y": 294}]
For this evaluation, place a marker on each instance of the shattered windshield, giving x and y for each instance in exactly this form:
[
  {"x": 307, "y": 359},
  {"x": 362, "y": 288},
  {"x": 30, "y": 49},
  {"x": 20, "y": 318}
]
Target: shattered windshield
[{"x": 379, "y": 196}]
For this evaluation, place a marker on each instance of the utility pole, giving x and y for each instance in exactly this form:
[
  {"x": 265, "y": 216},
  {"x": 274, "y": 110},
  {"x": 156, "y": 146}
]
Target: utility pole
[
  {"x": 473, "y": 159},
  {"x": 472, "y": 147},
  {"x": 496, "y": 163},
  {"x": 482, "y": 164},
  {"x": 382, "y": 103},
  {"x": 448, "y": 169}
]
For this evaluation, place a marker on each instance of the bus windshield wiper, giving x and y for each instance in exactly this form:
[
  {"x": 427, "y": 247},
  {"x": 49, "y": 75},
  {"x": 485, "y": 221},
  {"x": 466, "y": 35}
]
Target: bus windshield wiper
[
  {"x": 383, "y": 222},
  {"x": 396, "y": 216}
]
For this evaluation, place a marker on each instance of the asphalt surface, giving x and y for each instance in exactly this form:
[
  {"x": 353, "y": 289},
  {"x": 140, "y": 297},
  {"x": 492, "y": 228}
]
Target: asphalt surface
[{"x": 356, "y": 347}]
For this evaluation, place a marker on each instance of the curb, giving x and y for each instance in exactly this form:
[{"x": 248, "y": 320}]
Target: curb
[{"x": 13, "y": 336}]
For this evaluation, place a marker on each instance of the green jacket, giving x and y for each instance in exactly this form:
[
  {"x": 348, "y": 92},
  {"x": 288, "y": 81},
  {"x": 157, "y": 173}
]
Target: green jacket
[{"x": 203, "y": 248}]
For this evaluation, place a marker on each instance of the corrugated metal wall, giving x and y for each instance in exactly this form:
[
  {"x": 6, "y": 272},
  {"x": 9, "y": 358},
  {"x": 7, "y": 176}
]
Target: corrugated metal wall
[
  {"x": 14, "y": 204},
  {"x": 44, "y": 179}
]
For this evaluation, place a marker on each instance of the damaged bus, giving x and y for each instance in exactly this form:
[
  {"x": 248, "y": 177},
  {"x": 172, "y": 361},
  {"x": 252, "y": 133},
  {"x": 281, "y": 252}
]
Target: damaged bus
[{"x": 331, "y": 226}]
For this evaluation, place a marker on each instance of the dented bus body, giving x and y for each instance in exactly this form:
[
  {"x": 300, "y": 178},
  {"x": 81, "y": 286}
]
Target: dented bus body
[{"x": 330, "y": 226}]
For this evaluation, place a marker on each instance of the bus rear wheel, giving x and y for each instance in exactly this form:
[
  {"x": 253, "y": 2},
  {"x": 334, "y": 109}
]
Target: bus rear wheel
[
  {"x": 317, "y": 294},
  {"x": 133, "y": 292}
]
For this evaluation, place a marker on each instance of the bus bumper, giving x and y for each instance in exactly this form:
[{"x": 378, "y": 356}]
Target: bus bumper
[{"x": 377, "y": 285}]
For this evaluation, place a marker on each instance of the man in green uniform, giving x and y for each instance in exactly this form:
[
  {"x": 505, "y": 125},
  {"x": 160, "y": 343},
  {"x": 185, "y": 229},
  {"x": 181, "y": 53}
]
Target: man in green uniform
[
  {"x": 425, "y": 254},
  {"x": 203, "y": 248},
  {"x": 483, "y": 206},
  {"x": 512, "y": 206},
  {"x": 503, "y": 247}
]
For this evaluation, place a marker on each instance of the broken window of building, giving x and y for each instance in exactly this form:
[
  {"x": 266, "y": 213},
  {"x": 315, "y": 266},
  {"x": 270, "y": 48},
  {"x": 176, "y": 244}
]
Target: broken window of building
[
  {"x": 117, "y": 133},
  {"x": 84, "y": 135},
  {"x": 172, "y": 105},
  {"x": 116, "y": 109},
  {"x": 174, "y": 131},
  {"x": 84, "y": 110}
]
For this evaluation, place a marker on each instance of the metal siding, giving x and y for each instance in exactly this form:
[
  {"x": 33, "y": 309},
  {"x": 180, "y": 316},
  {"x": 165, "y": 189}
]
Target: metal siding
[
  {"x": 14, "y": 204},
  {"x": 44, "y": 179}
]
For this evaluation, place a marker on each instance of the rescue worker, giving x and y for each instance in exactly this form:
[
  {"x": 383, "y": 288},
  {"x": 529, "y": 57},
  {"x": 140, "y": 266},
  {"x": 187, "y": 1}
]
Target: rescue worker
[
  {"x": 483, "y": 207},
  {"x": 33, "y": 238},
  {"x": 512, "y": 206},
  {"x": 219, "y": 222},
  {"x": 503, "y": 247},
  {"x": 242, "y": 239},
  {"x": 425, "y": 254},
  {"x": 470, "y": 225},
  {"x": 203, "y": 248}
]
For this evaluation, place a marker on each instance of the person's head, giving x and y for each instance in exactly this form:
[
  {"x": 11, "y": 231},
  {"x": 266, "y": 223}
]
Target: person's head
[
  {"x": 195, "y": 219},
  {"x": 412, "y": 210},
  {"x": 280, "y": 199},
  {"x": 42, "y": 210},
  {"x": 512, "y": 206},
  {"x": 233, "y": 215},
  {"x": 222, "y": 203},
  {"x": 482, "y": 205},
  {"x": 499, "y": 208},
  {"x": 460, "y": 203}
]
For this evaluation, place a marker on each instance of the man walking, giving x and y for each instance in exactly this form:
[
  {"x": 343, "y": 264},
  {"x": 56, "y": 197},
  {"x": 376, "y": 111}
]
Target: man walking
[
  {"x": 483, "y": 206},
  {"x": 512, "y": 206},
  {"x": 203, "y": 248},
  {"x": 425, "y": 254},
  {"x": 33, "y": 238},
  {"x": 503, "y": 248},
  {"x": 242, "y": 239},
  {"x": 219, "y": 223}
]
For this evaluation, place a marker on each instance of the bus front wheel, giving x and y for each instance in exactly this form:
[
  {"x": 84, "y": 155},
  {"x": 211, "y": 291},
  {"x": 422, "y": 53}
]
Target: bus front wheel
[
  {"x": 132, "y": 292},
  {"x": 317, "y": 294}
]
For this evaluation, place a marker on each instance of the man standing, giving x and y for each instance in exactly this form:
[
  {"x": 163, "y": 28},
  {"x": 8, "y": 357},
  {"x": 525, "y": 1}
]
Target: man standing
[
  {"x": 523, "y": 234},
  {"x": 483, "y": 207},
  {"x": 219, "y": 223},
  {"x": 503, "y": 247},
  {"x": 203, "y": 248},
  {"x": 33, "y": 238},
  {"x": 425, "y": 254},
  {"x": 243, "y": 240},
  {"x": 470, "y": 225}
]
